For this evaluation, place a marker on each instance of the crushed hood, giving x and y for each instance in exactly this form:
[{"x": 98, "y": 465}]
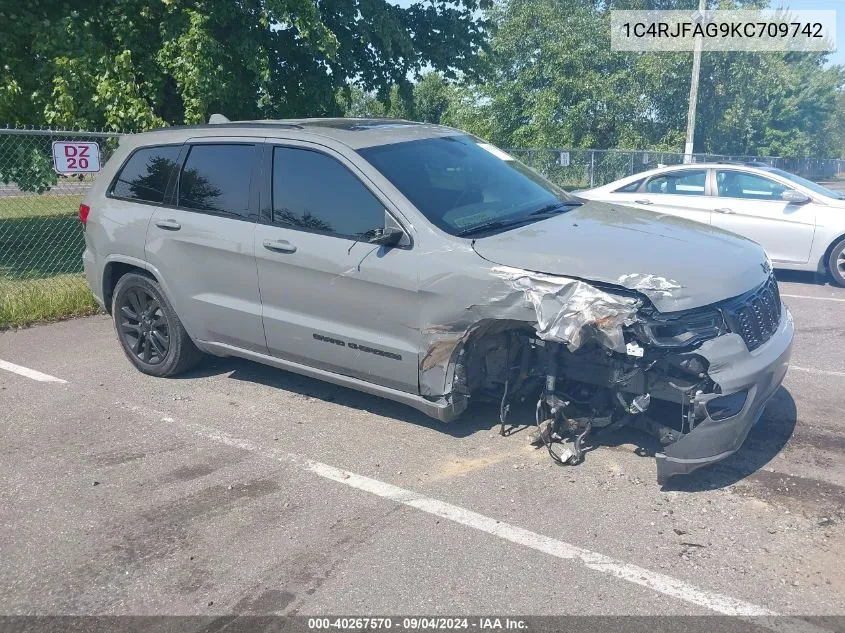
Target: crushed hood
[{"x": 678, "y": 264}]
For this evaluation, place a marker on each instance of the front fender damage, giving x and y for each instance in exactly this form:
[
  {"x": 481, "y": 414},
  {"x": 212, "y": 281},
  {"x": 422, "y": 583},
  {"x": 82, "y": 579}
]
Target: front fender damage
[{"x": 579, "y": 347}]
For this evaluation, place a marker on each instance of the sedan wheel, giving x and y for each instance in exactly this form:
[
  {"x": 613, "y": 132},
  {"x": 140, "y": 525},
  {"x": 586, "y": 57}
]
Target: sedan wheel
[{"x": 836, "y": 264}]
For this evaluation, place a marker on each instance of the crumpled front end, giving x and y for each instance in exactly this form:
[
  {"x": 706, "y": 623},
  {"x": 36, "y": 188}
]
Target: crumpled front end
[
  {"x": 601, "y": 356},
  {"x": 746, "y": 381}
]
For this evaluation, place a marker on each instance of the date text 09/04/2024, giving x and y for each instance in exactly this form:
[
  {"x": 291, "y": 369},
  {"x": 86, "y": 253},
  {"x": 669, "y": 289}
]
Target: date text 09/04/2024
[{"x": 417, "y": 623}]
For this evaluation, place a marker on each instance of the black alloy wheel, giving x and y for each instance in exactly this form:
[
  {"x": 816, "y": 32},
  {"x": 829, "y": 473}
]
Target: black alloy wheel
[{"x": 144, "y": 326}]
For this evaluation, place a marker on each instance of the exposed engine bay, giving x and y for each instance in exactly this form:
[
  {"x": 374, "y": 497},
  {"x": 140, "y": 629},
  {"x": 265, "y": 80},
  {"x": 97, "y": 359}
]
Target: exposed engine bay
[
  {"x": 598, "y": 357},
  {"x": 587, "y": 392}
]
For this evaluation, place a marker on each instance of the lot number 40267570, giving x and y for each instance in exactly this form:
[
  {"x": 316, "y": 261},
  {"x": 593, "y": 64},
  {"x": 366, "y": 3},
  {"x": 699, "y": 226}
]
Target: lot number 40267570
[{"x": 76, "y": 157}]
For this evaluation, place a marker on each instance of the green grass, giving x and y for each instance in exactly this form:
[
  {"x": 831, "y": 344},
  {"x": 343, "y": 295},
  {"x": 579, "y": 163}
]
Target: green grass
[
  {"x": 23, "y": 302},
  {"x": 29, "y": 206},
  {"x": 41, "y": 244},
  {"x": 40, "y": 237}
]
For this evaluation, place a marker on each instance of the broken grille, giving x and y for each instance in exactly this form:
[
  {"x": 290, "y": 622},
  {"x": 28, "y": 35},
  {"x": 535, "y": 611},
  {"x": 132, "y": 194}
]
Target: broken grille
[{"x": 755, "y": 315}]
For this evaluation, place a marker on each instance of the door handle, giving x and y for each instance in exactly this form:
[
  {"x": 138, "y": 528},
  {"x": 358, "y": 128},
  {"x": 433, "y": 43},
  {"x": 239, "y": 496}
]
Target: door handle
[
  {"x": 643, "y": 201},
  {"x": 724, "y": 210},
  {"x": 170, "y": 225},
  {"x": 281, "y": 246}
]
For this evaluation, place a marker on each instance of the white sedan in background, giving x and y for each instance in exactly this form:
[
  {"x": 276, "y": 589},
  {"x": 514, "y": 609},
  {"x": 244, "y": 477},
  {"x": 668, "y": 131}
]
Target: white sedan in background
[{"x": 800, "y": 223}]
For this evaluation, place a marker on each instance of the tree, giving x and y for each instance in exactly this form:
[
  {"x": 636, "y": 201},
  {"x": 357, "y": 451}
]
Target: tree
[
  {"x": 136, "y": 64},
  {"x": 356, "y": 102},
  {"x": 432, "y": 97},
  {"x": 837, "y": 126},
  {"x": 553, "y": 80}
]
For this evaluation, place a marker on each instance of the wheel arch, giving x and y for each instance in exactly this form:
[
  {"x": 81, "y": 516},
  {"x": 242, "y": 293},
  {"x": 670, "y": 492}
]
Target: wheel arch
[
  {"x": 823, "y": 264},
  {"x": 116, "y": 268},
  {"x": 449, "y": 363}
]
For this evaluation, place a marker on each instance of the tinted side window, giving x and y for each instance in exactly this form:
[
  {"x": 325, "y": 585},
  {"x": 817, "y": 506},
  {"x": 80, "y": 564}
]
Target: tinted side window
[
  {"x": 145, "y": 174},
  {"x": 680, "y": 183},
  {"x": 216, "y": 178},
  {"x": 736, "y": 184},
  {"x": 315, "y": 192}
]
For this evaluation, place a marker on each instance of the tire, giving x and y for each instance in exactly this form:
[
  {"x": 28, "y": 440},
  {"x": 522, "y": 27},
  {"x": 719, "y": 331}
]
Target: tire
[
  {"x": 150, "y": 333},
  {"x": 836, "y": 264}
]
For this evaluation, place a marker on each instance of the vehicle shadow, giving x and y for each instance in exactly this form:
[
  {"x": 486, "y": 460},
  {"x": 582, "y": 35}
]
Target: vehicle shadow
[
  {"x": 479, "y": 416},
  {"x": 765, "y": 440},
  {"x": 803, "y": 277}
]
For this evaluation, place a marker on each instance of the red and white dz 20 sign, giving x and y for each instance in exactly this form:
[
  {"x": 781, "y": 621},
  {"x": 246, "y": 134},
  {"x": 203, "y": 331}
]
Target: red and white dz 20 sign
[{"x": 76, "y": 157}]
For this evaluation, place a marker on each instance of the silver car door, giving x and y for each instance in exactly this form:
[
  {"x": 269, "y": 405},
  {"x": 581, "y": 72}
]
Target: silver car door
[
  {"x": 751, "y": 205},
  {"x": 331, "y": 299},
  {"x": 201, "y": 243},
  {"x": 681, "y": 193}
]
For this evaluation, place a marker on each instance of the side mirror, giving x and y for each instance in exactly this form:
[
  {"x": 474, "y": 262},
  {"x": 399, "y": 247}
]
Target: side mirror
[
  {"x": 388, "y": 236},
  {"x": 790, "y": 195}
]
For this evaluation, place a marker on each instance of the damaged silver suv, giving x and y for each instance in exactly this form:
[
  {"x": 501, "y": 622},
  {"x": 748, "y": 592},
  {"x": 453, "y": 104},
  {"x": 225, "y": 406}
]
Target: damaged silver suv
[{"x": 421, "y": 264}]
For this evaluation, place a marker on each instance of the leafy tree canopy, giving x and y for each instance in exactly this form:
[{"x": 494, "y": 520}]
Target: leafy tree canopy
[
  {"x": 136, "y": 64},
  {"x": 552, "y": 80}
]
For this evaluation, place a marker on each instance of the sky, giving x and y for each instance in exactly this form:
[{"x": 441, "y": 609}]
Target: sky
[{"x": 834, "y": 58}]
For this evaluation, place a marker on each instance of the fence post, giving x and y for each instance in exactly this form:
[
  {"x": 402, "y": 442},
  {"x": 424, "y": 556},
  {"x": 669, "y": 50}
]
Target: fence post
[{"x": 592, "y": 168}]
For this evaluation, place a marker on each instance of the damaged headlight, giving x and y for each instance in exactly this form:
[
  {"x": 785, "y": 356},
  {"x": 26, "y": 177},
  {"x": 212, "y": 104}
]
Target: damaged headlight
[
  {"x": 728, "y": 406},
  {"x": 681, "y": 329}
]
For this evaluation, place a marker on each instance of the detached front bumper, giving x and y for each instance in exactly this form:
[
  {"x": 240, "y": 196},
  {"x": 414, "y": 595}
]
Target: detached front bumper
[{"x": 734, "y": 369}]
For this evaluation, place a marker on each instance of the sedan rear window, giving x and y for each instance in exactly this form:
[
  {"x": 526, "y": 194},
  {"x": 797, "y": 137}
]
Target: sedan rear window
[
  {"x": 630, "y": 187},
  {"x": 680, "y": 183},
  {"x": 460, "y": 183}
]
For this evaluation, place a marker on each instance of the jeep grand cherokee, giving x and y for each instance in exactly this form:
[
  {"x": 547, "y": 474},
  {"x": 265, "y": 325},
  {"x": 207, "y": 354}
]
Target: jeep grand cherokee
[{"x": 419, "y": 263}]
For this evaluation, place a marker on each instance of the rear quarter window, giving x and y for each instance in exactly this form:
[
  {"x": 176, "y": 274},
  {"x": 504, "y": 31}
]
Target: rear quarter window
[
  {"x": 630, "y": 187},
  {"x": 145, "y": 174}
]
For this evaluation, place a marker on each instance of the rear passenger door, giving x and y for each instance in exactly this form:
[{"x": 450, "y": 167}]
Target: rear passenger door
[
  {"x": 331, "y": 299},
  {"x": 201, "y": 241},
  {"x": 682, "y": 193}
]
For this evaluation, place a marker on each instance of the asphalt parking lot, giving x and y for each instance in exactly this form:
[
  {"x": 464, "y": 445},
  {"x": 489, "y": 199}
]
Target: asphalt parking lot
[{"x": 243, "y": 489}]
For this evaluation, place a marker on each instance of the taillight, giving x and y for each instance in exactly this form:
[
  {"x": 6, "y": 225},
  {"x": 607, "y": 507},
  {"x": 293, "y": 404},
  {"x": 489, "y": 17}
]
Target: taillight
[{"x": 84, "y": 209}]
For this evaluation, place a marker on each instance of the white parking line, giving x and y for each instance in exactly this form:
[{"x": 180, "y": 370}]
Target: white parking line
[
  {"x": 595, "y": 561},
  {"x": 29, "y": 373},
  {"x": 816, "y": 298},
  {"x": 661, "y": 583},
  {"x": 820, "y": 372}
]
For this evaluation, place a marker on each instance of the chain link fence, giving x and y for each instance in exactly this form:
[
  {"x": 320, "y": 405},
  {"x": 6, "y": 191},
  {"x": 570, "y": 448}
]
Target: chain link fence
[
  {"x": 586, "y": 168},
  {"x": 41, "y": 239}
]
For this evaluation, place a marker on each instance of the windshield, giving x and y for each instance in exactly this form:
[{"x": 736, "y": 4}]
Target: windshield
[
  {"x": 809, "y": 184},
  {"x": 467, "y": 187}
]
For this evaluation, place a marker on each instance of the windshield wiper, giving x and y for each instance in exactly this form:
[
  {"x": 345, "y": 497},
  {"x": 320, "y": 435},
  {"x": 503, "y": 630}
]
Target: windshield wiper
[
  {"x": 550, "y": 209},
  {"x": 492, "y": 226},
  {"x": 560, "y": 206}
]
